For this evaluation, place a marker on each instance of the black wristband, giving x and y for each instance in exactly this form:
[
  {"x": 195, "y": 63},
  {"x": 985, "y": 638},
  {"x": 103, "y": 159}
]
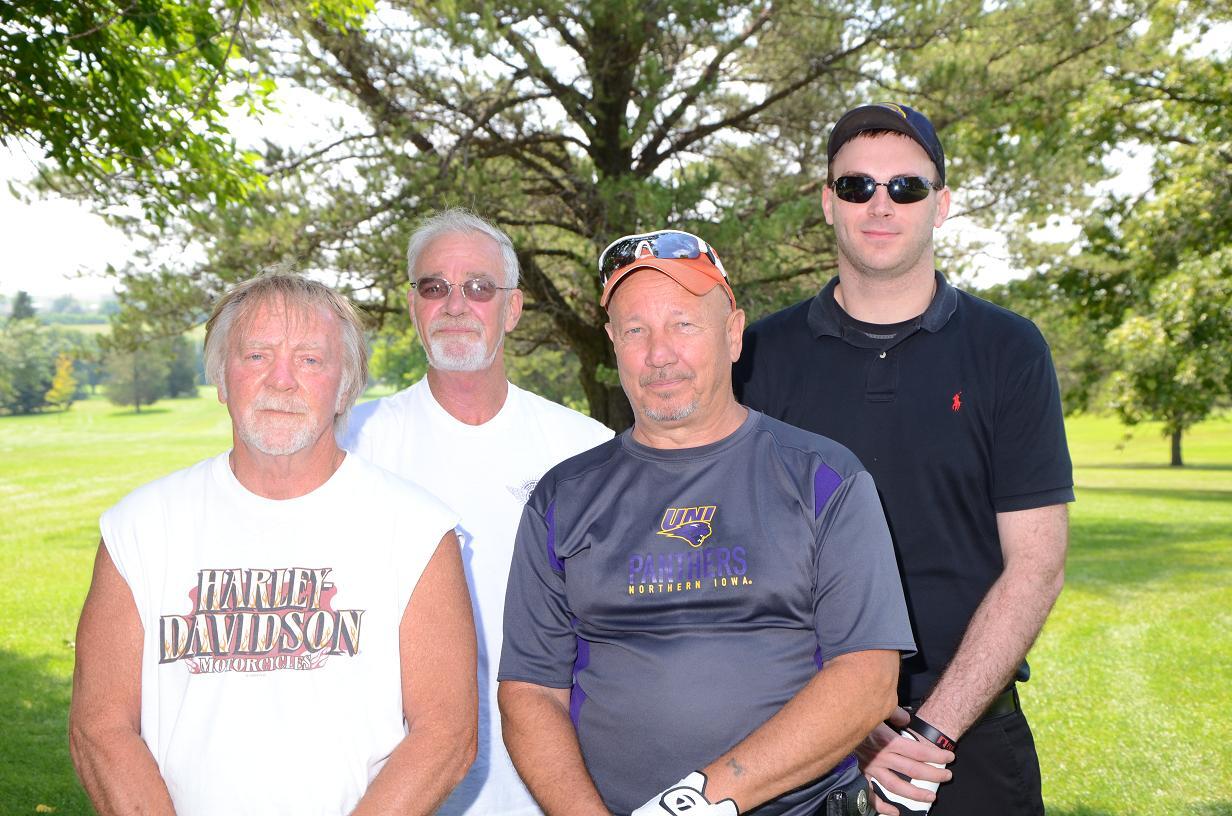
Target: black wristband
[{"x": 931, "y": 734}]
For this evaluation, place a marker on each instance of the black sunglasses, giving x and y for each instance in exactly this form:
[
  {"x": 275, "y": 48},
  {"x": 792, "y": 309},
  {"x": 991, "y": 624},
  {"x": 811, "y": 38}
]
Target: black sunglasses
[
  {"x": 662, "y": 244},
  {"x": 480, "y": 290},
  {"x": 902, "y": 189}
]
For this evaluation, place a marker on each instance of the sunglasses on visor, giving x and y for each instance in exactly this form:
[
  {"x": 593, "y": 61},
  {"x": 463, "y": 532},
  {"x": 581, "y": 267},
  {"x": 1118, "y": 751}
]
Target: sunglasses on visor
[
  {"x": 902, "y": 189},
  {"x": 480, "y": 290},
  {"x": 662, "y": 244}
]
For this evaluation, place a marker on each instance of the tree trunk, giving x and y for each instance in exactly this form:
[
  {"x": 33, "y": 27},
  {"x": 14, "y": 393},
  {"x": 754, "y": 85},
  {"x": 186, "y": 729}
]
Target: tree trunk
[
  {"x": 1176, "y": 448},
  {"x": 607, "y": 403},
  {"x": 619, "y": 411}
]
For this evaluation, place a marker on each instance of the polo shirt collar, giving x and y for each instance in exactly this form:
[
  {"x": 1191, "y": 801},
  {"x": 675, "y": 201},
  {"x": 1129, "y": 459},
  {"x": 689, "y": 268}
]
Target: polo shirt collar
[{"x": 825, "y": 315}]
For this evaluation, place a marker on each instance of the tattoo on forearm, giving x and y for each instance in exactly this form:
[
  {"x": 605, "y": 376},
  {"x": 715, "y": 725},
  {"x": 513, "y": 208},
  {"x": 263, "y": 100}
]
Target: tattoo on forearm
[{"x": 736, "y": 768}]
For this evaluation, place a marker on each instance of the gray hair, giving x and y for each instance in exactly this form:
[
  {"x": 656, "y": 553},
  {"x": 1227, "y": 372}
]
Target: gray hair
[
  {"x": 290, "y": 290},
  {"x": 458, "y": 220}
]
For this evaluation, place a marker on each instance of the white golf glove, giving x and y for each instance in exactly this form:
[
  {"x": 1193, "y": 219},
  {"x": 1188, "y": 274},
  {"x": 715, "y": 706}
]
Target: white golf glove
[
  {"x": 907, "y": 807},
  {"x": 686, "y": 798}
]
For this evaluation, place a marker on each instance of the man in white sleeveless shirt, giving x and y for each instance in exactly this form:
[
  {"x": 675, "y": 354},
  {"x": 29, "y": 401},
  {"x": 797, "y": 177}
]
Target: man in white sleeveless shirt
[
  {"x": 478, "y": 442},
  {"x": 283, "y": 628}
]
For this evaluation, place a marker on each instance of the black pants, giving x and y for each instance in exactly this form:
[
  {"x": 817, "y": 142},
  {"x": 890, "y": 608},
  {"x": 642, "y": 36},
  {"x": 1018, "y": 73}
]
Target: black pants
[{"x": 996, "y": 771}]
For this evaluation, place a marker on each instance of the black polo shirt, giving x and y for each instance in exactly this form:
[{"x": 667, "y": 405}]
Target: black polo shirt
[{"x": 957, "y": 416}]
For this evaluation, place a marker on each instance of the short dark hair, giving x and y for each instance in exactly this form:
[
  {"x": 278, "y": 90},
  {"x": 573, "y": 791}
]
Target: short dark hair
[{"x": 869, "y": 134}]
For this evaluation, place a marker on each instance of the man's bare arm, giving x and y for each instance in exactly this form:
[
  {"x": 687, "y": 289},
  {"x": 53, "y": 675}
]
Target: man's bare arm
[
  {"x": 544, "y": 748},
  {"x": 810, "y": 734},
  {"x": 439, "y": 693},
  {"x": 114, "y": 764},
  {"x": 1007, "y": 621}
]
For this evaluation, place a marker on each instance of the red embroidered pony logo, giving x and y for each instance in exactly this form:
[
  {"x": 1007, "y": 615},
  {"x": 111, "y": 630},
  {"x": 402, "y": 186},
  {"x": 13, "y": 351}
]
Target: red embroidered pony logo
[{"x": 956, "y": 403}]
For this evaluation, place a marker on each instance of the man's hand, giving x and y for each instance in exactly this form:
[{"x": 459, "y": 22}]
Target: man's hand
[
  {"x": 885, "y": 754},
  {"x": 686, "y": 798}
]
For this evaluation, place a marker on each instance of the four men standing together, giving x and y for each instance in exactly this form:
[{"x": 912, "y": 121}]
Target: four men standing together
[{"x": 713, "y": 597}]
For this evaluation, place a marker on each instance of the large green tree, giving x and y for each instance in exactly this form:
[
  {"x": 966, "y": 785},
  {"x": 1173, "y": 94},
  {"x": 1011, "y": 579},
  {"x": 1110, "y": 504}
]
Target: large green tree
[
  {"x": 129, "y": 97},
  {"x": 570, "y": 123},
  {"x": 136, "y": 377},
  {"x": 1149, "y": 278},
  {"x": 1174, "y": 361},
  {"x": 145, "y": 355}
]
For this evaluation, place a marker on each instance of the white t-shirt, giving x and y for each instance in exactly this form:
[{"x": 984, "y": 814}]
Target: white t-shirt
[
  {"x": 270, "y": 676},
  {"x": 486, "y": 473}
]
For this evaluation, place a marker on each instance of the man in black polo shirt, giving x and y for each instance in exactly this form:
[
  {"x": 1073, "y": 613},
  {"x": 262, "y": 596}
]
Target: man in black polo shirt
[{"x": 952, "y": 404}]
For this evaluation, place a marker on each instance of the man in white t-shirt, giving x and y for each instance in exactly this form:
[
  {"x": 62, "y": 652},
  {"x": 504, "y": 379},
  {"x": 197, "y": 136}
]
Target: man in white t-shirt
[
  {"x": 478, "y": 442},
  {"x": 283, "y": 628}
]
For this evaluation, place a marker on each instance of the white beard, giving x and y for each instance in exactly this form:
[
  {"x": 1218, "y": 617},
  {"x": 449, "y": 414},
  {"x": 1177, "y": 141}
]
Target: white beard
[
  {"x": 458, "y": 353},
  {"x": 273, "y": 436}
]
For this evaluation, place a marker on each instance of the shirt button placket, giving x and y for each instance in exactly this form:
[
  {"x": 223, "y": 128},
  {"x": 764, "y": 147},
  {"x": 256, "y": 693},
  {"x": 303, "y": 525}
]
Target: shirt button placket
[{"x": 882, "y": 382}]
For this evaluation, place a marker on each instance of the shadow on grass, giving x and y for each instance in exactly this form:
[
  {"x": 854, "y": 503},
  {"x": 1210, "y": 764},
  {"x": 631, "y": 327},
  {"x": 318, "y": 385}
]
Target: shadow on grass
[
  {"x": 1162, "y": 493},
  {"x": 1150, "y": 466},
  {"x": 34, "y": 763},
  {"x": 1192, "y": 808},
  {"x": 1112, "y": 553},
  {"x": 141, "y": 413}
]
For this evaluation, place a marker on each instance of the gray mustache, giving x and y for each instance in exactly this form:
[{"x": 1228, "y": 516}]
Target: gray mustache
[
  {"x": 455, "y": 323},
  {"x": 647, "y": 379},
  {"x": 290, "y": 406}
]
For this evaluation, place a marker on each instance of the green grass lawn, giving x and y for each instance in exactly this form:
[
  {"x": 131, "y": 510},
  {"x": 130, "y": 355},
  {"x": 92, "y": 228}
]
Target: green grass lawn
[
  {"x": 58, "y": 472},
  {"x": 1131, "y": 676},
  {"x": 1131, "y": 697}
]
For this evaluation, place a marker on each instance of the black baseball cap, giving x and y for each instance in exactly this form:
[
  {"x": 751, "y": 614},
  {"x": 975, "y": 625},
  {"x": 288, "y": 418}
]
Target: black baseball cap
[{"x": 888, "y": 116}]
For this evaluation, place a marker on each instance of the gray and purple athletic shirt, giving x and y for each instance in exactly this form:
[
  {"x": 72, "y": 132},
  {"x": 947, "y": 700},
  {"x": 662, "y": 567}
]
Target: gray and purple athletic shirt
[{"x": 685, "y": 595}]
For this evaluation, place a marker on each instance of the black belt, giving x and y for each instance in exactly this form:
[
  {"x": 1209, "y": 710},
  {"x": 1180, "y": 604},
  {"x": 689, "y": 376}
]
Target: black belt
[
  {"x": 850, "y": 799},
  {"x": 1004, "y": 703}
]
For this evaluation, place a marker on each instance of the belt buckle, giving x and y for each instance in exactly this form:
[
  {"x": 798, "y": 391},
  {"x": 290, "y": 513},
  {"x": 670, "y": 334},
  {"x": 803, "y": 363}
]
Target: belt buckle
[{"x": 840, "y": 802}]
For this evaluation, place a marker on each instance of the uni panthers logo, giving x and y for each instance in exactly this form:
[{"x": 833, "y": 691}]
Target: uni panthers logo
[{"x": 691, "y": 524}]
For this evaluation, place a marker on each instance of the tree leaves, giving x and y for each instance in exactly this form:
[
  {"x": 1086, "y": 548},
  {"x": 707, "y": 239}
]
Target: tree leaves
[
  {"x": 571, "y": 123},
  {"x": 1174, "y": 358},
  {"x": 126, "y": 98}
]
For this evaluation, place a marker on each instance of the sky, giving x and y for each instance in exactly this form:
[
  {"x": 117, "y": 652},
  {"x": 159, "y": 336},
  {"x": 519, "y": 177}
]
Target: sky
[
  {"x": 55, "y": 246},
  {"x": 49, "y": 242}
]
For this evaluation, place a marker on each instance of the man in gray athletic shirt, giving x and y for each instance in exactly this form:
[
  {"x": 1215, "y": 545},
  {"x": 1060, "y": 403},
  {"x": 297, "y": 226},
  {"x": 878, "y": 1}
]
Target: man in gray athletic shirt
[{"x": 710, "y": 595}]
